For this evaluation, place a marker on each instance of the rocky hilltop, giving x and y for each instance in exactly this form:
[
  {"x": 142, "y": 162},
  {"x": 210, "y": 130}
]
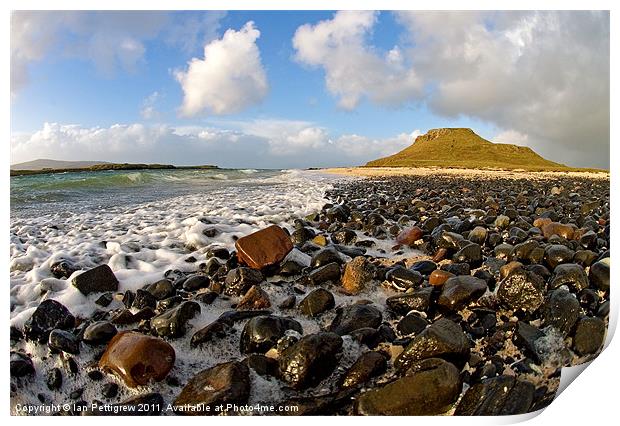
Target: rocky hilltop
[{"x": 463, "y": 148}]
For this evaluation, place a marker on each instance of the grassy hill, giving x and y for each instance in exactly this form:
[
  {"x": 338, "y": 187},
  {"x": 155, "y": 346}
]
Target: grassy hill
[{"x": 462, "y": 148}]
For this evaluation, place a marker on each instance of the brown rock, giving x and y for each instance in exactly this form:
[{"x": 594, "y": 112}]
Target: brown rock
[
  {"x": 505, "y": 270},
  {"x": 320, "y": 240},
  {"x": 409, "y": 236},
  {"x": 357, "y": 273},
  {"x": 555, "y": 228},
  {"x": 227, "y": 383},
  {"x": 440, "y": 255},
  {"x": 255, "y": 299},
  {"x": 439, "y": 276},
  {"x": 264, "y": 248},
  {"x": 542, "y": 221},
  {"x": 137, "y": 358}
]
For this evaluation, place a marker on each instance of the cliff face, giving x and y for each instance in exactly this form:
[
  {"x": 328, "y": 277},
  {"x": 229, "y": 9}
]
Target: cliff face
[{"x": 461, "y": 147}]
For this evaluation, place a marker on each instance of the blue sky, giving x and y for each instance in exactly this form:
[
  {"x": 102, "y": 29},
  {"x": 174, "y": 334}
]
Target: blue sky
[{"x": 313, "y": 93}]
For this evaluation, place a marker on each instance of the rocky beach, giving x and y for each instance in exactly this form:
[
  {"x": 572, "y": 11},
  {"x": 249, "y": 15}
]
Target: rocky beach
[{"x": 429, "y": 293}]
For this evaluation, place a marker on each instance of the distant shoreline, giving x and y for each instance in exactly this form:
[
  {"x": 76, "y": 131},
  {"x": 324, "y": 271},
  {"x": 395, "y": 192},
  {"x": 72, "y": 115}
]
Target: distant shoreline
[
  {"x": 365, "y": 171},
  {"x": 111, "y": 166}
]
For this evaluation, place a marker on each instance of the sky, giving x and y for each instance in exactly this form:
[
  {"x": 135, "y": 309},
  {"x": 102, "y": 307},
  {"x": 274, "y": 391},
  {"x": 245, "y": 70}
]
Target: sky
[{"x": 291, "y": 89}]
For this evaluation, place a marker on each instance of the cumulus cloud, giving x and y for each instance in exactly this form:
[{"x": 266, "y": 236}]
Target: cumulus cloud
[
  {"x": 257, "y": 143},
  {"x": 110, "y": 40},
  {"x": 353, "y": 70},
  {"x": 228, "y": 79},
  {"x": 149, "y": 111},
  {"x": 544, "y": 75}
]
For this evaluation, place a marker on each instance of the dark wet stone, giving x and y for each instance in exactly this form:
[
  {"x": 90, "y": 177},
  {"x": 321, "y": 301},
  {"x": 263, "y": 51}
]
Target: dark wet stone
[
  {"x": 522, "y": 289},
  {"x": 211, "y": 267},
  {"x": 411, "y": 324},
  {"x": 503, "y": 251},
  {"x": 196, "y": 282},
  {"x": 526, "y": 336},
  {"x": 315, "y": 405},
  {"x": 48, "y": 316},
  {"x": 301, "y": 235},
  {"x": 95, "y": 375},
  {"x": 428, "y": 388},
  {"x": 21, "y": 365},
  {"x": 425, "y": 267},
  {"x": 239, "y": 280},
  {"x": 457, "y": 268},
  {"x": 477, "y": 235},
  {"x": 63, "y": 269},
  {"x": 329, "y": 272},
  {"x": 497, "y": 396},
  {"x": 557, "y": 254},
  {"x": 337, "y": 214},
  {"x": 367, "y": 366},
  {"x": 262, "y": 333},
  {"x": 471, "y": 254},
  {"x": 402, "y": 278},
  {"x": 53, "y": 379},
  {"x": 109, "y": 390},
  {"x": 443, "y": 339},
  {"x": 599, "y": 274},
  {"x": 317, "y": 302},
  {"x": 96, "y": 280},
  {"x": 352, "y": 317},
  {"x": 144, "y": 299},
  {"x": 310, "y": 360},
  {"x": 448, "y": 240},
  {"x": 262, "y": 365},
  {"x": 561, "y": 310},
  {"x": 255, "y": 299},
  {"x": 418, "y": 300},
  {"x": 289, "y": 268},
  {"x": 344, "y": 236},
  {"x": 571, "y": 275},
  {"x": 172, "y": 323},
  {"x": 585, "y": 258},
  {"x": 219, "y": 252},
  {"x": 213, "y": 331},
  {"x": 227, "y": 383},
  {"x": 105, "y": 299},
  {"x": 207, "y": 298},
  {"x": 123, "y": 317},
  {"x": 458, "y": 292},
  {"x": 64, "y": 341},
  {"x": 324, "y": 257},
  {"x": 589, "y": 335}
]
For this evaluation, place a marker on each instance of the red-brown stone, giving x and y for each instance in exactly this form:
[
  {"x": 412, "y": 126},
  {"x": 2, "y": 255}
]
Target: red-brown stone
[
  {"x": 137, "y": 358},
  {"x": 409, "y": 236},
  {"x": 555, "y": 228},
  {"x": 439, "y": 276},
  {"x": 264, "y": 248}
]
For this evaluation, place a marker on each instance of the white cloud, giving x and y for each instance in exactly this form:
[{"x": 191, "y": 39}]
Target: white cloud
[
  {"x": 258, "y": 143},
  {"x": 110, "y": 40},
  {"x": 229, "y": 79},
  {"x": 149, "y": 111},
  {"x": 353, "y": 70},
  {"x": 544, "y": 75}
]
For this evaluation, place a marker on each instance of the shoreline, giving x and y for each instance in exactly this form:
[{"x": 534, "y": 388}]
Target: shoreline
[
  {"x": 110, "y": 167},
  {"x": 361, "y": 171}
]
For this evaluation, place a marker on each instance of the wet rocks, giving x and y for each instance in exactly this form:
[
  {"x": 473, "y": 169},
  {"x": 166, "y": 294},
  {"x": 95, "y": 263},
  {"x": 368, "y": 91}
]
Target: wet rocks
[
  {"x": 96, "y": 280},
  {"x": 137, "y": 358},
  {"x": 471, "y": 254},
  {"x": 63, "y": 269},
  {"x": 443, "y": 339},
  {"x": 227, "y": 383},
  {"x": 555, "y": 228},
  {"x": 324, "y": 257},
  {"x": 522, "y": 289},
  {"x": 262, "y": 333},
  {"x": 438, "y": 277},
  {"x": 589, "y": 335},
  {"x": 99, "y": 332},
  {"x": 53, "y": 379},
  {"x": 240, "y": 280},
  {"x": 570, "y": 274},
  {"x": 557, "y": 254},
  {"x": 317, "y": 302},
  {"x": 357, "y": 274},
  {"x": 255, "y": 298},
  {"x": 599, "y": 274},
  {"x": 459, "y": 291},
  {"x": 323, "y": 274},
  {"x": 367, "y": 366},
  {"x": 211, "y": 332},
  {"x": 353, "y": 317},
  {"x": 310, "y": 360},
  {"x": 264, "y": 248},
  {"x": 172, "y": 323},
  {"x": 497, "y": 396},
  {"x": 417, "y": 300},
  {"x": 196, "y": 282},
  {"x": 561, "y": 310},
  {"x": 48, "y": 316},
  {"x": 21, "y": 365},
  {"x": 64, "y": 341},
  {"x": 429, "y": 387},
  {"x": 402, "y": 278},
  {"x": 409, "y": 236}
]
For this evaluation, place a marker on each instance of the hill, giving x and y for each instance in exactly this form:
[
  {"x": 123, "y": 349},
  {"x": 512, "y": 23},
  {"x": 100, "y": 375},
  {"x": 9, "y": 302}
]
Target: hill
[
  {"x": 44, "y": 163},
  {"x": 462, "y": 148}
]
